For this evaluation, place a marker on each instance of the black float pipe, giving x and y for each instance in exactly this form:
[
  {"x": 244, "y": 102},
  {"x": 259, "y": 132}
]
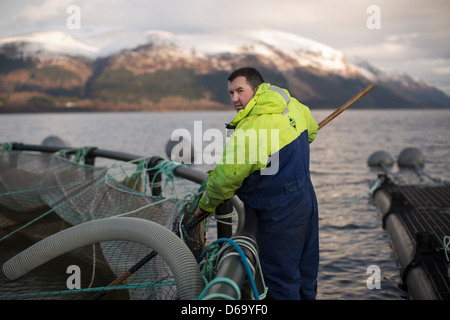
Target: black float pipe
[
  {"x": 180, "y": 171},
  {"x": 232, "y": 266}
]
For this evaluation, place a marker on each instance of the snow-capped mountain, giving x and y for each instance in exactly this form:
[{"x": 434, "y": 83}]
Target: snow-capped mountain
[
  {"x": 266, "y": 43},
  {"x": 284, "y": 51},
  {"x": 52, "y": 42},
  {"x": 155, "y": 69}
]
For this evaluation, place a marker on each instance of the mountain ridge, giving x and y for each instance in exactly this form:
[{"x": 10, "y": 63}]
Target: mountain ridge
[{"x": 158, "y": 70}]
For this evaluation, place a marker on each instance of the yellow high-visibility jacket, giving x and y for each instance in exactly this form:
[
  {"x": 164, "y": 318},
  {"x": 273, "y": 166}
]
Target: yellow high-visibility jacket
[{"x": 270, "y": 122}]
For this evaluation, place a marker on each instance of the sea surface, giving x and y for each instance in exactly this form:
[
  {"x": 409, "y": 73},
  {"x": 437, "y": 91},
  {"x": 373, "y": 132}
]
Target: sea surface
[{"x": 351, "y": 236}]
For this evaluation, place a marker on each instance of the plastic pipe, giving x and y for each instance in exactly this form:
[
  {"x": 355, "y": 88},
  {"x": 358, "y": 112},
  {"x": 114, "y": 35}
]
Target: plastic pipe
[{"x": 174, "y": 251}]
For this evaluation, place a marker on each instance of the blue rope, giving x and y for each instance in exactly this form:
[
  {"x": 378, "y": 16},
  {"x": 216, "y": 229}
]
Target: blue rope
[
  {"x": 121, "y": 287},
  {"x": 220, "y": 295},
  {"x": 244, "y": 260},
  {"x": 371, "y": 190}
]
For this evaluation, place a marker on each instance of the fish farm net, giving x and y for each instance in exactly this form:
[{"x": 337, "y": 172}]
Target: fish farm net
[{"x": 44, "y": 193}]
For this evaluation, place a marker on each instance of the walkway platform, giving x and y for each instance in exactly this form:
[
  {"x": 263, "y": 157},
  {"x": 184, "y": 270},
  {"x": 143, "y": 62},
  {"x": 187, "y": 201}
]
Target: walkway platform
[{"x": 417, "y": 218}]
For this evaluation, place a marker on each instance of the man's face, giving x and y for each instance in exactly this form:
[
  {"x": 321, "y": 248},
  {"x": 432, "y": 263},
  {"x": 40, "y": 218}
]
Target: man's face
[{"x": 241, "y": 92}]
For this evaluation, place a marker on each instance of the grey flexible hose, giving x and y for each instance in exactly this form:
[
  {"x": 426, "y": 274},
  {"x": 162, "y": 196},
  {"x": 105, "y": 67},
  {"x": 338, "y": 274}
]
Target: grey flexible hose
[{"x": 174, "y": 251}]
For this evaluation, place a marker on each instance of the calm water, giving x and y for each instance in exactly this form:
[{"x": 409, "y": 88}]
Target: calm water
[{"x": 351, "y": 237}]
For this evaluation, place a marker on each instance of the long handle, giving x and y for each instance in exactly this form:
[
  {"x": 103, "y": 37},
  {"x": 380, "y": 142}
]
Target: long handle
[{"x": 345, "y": 106}]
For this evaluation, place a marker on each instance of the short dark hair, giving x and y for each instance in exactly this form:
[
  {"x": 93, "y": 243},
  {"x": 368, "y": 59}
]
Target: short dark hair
[{"x": 253, "y": 76}]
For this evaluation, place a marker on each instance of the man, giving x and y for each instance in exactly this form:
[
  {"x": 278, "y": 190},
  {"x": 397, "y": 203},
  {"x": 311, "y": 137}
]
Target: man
[{"x": 274, "y": 181}]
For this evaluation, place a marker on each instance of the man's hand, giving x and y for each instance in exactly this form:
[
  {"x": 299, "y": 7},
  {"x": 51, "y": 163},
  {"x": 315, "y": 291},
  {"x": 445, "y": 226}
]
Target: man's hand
[{"x": 200, "y": 212}]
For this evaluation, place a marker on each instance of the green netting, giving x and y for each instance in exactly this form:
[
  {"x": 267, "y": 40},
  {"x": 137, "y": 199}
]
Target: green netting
[{"x": 41, "y": 194}]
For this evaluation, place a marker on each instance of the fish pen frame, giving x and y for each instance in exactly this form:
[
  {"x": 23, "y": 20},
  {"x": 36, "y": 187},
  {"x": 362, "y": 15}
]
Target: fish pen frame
[{"x": 233, "y": 267}]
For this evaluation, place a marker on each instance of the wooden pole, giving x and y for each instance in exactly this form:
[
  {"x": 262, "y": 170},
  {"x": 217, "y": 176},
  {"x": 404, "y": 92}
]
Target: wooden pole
[{"x": 345, "y": 106}]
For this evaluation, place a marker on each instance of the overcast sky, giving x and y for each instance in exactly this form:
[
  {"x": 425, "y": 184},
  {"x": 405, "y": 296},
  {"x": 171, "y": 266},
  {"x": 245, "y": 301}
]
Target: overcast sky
[{"x": 410, "y": 36}]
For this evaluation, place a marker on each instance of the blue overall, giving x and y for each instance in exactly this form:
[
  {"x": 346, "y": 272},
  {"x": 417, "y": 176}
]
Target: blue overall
[{"x": 288, "y": 223}]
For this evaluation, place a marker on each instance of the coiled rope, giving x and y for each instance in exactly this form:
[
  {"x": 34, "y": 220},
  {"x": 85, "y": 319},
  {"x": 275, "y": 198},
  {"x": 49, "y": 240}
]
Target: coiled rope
[{"x": 208, "y": 272}]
